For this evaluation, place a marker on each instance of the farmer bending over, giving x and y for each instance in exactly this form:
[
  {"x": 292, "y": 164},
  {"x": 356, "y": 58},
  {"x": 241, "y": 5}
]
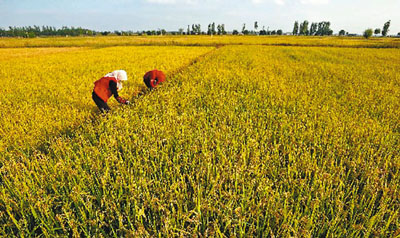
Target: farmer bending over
[
  {"x": 107, "y": 86},
  {"x": 153, "y": 78}
]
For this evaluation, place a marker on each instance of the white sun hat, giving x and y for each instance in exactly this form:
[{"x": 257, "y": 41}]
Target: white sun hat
[{"x": 120, "y": 75}]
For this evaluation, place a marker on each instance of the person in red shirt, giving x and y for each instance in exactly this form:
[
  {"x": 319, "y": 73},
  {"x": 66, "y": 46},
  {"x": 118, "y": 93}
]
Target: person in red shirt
[
  {"x": 153, "y": 78},
  {"x": 107, "y": 86}
]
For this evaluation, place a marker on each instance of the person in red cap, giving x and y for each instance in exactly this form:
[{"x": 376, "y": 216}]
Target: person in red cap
[
  {"x": 107, "y": 86},
  {"x": 153, "y": 78}
]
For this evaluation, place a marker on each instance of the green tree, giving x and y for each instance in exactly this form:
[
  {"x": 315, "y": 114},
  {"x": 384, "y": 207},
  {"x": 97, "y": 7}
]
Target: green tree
[
  {"x": 342, "y": 32},
  {"x": 223, "y": 29},
  {"x": 377, "y": 31},
  {"x": 304, "y": 28},
  {"x": 219, "y": 29},
  {"x": 367, "y": 33},
  {"x": 385, "y": 29},
  {"x": 279, "y": 32},
  {"x": 296, "y": 28},
  {"x": 255, "y": 26},
  {"x": 324, "y": 28},
  {"x": 313, "y": 28},
  {"x": 31, "y": 34},
  {"x": 263, "y": 31},
  {"x": 213, "y": 28},
  {"x": 193, "y": 30}
]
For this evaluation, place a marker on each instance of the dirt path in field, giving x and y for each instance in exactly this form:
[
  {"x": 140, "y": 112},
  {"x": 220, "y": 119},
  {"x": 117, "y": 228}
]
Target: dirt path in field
[{"x": 143, "y": 90}]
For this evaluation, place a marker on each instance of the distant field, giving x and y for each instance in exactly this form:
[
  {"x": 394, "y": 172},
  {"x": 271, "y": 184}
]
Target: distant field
[
  {"x": 251, "y": 138},
  {"x": 200, "y": 41}
]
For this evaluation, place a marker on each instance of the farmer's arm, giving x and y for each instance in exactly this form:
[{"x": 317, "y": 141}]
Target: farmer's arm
[
  {"x": 114, "y": 91},
  {"x": 113, "y": 88}
]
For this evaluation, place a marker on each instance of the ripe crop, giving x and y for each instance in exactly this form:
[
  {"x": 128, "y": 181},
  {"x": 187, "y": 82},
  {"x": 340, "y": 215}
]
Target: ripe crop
[
  {"x": 247, "y": 140},
  {"x": 49, "y": 90},
  {"x": 201, "y": 40}
]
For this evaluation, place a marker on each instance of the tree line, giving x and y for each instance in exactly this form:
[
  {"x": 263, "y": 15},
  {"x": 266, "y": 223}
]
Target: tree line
[
  {"x": 385, "y": 30},
  {"x": 315, "y": 29},
  {"x": 214, "y": 29},
  {"x": 300, "y": 28},
  {"x": 33, "y": 31}
]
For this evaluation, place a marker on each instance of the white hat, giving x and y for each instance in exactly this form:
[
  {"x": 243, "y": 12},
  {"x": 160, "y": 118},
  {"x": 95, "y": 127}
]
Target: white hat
[{"x": 120, "y": 75}]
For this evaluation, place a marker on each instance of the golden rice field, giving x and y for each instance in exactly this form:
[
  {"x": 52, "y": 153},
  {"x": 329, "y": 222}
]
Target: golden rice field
[
  {"x": 241, "y": 141},
  {"x": 201, "y": 40},
  {"x": 48, "y": 90}
]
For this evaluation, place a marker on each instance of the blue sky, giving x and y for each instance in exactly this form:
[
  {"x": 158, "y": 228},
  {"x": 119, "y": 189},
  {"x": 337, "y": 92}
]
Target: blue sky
[{"x": 353, "y": 16}]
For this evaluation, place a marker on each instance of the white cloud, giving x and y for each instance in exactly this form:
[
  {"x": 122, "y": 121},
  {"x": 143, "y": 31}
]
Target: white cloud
[
  {"x": 189, "y": 2},
  {"x": 162, "y": 1},
  {"x": 314, "y": 2},
  {"x": 278, "y": 2}
]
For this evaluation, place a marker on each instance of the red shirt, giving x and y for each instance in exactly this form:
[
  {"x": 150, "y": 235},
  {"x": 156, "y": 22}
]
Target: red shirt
[
  {"x": 102, "y": 88},
  {"x": 153, "y": 78}
]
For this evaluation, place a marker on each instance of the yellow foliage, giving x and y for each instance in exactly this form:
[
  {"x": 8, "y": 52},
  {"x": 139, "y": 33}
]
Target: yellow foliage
[
  {"x": 242, "y": 140},
  {"x": 48, "y": 90},
  {"x": 198, "y": 40}
]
